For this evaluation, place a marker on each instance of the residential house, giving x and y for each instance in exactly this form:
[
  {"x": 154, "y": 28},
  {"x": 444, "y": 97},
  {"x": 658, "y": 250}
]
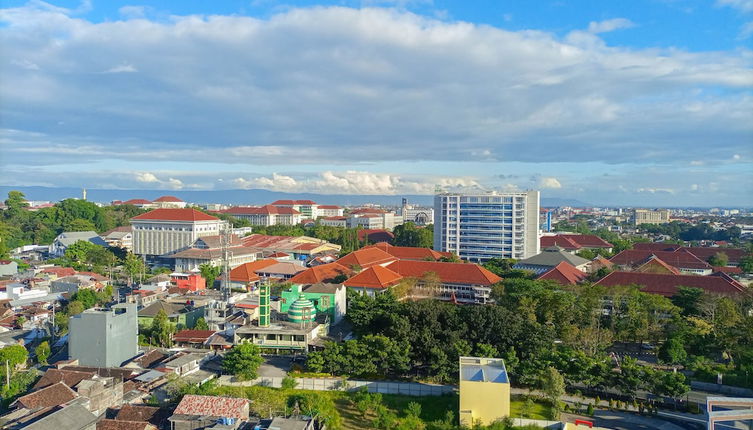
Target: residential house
[
  {"x": 575, "y": 242},
  {"x": 375, "y": 236},
  {"x": 179, "y": 314},
  {"x": 245, "y": 276},
  {"x": 8, "y": 268},
  {"x": 564, "y": 273},
  {"x": 197, "y": 412},
  {"x": 66, "y": 239},
  {"x": 119, "y": 237},
  {"x": 193, "y": 338},
  {"x": 549, "y": 259}
]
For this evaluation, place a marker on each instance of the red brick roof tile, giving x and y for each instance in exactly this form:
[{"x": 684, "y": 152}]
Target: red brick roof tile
[
  {"x": 564, "y": 273},
  {"x": 227, "y": 407},
  {"x": 667, "y": 285},
  {"x": 247, "y": 272},
  {"x": 193, "y": 336},
  {"x": 106, "y": 424},
  {"x": 322, "y": 273},
  {"x": 374, "y": 277},
  {"x": 187, "y": 214},
  {"x": 680, "y": 259},
  {"x": 71, "y": 378},
  {"x": 366, "y": 257},
  {"x": 168, "y": 199},
  {"x": 53, "y": 395},
  {"x": 450, "y": 273}
]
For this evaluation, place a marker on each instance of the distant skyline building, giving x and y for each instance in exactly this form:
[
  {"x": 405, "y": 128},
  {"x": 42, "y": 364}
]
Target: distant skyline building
[
  {"x": 481, "y": 226},
  {"x": 647, "y": 216}
]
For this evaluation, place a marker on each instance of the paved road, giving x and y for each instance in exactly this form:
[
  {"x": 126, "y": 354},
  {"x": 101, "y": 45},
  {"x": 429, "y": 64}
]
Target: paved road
[{"x": 275, "y": 366}]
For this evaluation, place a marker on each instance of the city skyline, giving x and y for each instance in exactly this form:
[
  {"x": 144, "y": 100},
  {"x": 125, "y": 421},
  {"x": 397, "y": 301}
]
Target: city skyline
[{"x": 647, "y": 104}]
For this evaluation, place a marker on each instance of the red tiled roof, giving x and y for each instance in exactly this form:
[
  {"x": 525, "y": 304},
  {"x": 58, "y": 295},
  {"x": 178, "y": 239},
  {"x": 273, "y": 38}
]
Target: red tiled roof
[
  {"x": 227, "y": 407},
  {"x": 187, "y": 214},
  {"x": 71, "y": 378},
  {"x": 732, "y": 270},
  {"x": 136, "y": 202},
  {"x": 260, "y": 210},
  {"x": 656, "y": 246},
  {"x": 409, "y": 252},
  {"x": 375, "y": 235},
  {"x": 60, "y": 271},
  {"x": 130, "y": 412},
  {"x": 329, "y": 207},
  {"x": 599, "y": 262},
  {"x": 734, "y": 255},
  {"x": 279, "y": 255},
  {"x": 367, "y": 211},
  {"x": 193, "y": 336},
  {"x": 657, "y": 265},
  {"x": 680, "y": 259},
  {"x": 335, "y": 218},
  {"x": 293, "y": 202},
  {"x": 53, "y": 395},
  {"x": 321, "y": 273},
  {"x": 450, "y": 273},
  {"x": 574, "y": 241},
  {"x": 366, "y": 257},
  {"x": 169, "y": 199},
  {"x": 247, "y": 272},
  {"x": 374, "y": 277},
  {"x": 107, "y": 424},
  {"x": 667, "y": 285},
  {"x": 564, "y": 273}
]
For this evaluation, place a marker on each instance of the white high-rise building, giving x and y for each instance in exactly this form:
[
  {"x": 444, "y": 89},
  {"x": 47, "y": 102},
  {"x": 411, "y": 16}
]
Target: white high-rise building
[{"x": 481, "y": 226}]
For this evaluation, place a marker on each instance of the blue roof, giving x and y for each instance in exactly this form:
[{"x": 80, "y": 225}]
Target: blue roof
[{"x": 484, "y": 373}]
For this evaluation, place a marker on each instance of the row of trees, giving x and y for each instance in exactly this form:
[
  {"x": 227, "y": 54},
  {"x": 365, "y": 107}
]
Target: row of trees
[
  {"x": 425, "y": 338},
  {"x": 19, "y": 226},
  {"x": 678, "y": 230}
]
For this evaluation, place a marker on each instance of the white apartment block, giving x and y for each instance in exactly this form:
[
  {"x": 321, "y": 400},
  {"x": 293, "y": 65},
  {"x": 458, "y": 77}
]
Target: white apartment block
[
  {"x": 329, "y": 211},
  {"x": 334, "y": 221},
  {"x": 372, "y": 220},
  {"x": 646, "y": 216},
  {"x": 163, "y": 231},
  {"x": 481, "y": 226}
]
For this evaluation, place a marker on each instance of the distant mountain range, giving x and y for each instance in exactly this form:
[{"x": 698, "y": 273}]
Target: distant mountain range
[{"x": 240, "y": 197}]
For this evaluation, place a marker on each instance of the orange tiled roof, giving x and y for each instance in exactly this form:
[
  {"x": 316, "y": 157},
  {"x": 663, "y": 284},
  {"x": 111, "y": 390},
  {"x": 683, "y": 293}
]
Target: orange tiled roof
[
  {"x": 247, "y": 272},
  {"x": 409, "y": 252},
  {"x": 227, "y": 407},
  {"x": 53, "y": 395},
  {"x": 366, "y": 257},
  {"x": 321, "y": 273},
  {"x": 564, "y": 273},
  {"x": 667, "y": 285},
  {"x": 374, "y": 277},
  {"x": 450, "y": 273}
]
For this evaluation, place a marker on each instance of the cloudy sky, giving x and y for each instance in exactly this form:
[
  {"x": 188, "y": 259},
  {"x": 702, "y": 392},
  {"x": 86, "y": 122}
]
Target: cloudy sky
[{"x": 646, "y": 102}]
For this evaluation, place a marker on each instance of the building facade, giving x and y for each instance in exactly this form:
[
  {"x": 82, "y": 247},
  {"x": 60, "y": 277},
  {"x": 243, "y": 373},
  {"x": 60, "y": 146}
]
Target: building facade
[
  {"x": 482, "y": 226},
  {"x": 163, "y": 231},
  {"x": 104, "y": 338},
  {"x": 646, "y": 216},
  {"x": 484, "y": 391}
]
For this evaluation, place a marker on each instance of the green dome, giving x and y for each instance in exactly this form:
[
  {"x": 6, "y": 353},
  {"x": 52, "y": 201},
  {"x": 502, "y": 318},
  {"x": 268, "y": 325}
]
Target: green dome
[{"x": 302, "y": 310}]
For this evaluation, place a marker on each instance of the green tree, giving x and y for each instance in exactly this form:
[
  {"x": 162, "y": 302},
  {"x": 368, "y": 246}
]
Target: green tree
[
  {"x": 671, "y": 384},
  {"x": 87, "y": 297},
  {"x": 210, "y": 273},
  {"x": 14, "y": 355},
  {"x": 201, "y": 324},
  {"x": 688, "y": 299},
  {"x": 243, "y": 360},
  {"x": 486, "y": 350},
  {"x": 720, "y": 259},
  {"x": 289, "y": 383},
  {"x": 133, "y": 266},
  {"x": 673, "y": 351},
  {"x": 161, "y": 329},
  {"x": 746, "y": 263},
  {"x": 553, "y": 385},
  {"x": 43, "y": 352}
]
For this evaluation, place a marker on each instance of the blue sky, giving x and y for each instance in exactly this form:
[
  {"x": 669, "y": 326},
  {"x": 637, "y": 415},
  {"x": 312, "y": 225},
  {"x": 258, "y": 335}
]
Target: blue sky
[{"x": 646, "y": 102}]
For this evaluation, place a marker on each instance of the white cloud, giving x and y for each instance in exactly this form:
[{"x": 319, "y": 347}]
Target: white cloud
[
  {"x": 549, "y": 183},
  {"x": 152, "y": 179},
  {"x": 132, "y": 12},
  {"x": 656, "y": 190},
  {"x": 146, "y": 177},
  {"x": 742, "y": 5},
  {"x": 122, "y": 68},
  {"x": 608, "y": 25}
]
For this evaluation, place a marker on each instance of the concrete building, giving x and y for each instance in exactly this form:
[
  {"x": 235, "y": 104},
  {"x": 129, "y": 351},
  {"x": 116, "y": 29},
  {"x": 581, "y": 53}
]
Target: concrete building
[
  {"x": 329, "y": 210},
  {"x": 549, "y": 258},
  {"x": 327, "y": 298},
  {"x": 163, "y": 231},
  {"x": 266, "y": 215},
  {"x": 167, "y": 202},
  {"x": 369, "y": 218},
  {"x": 484, "y": 391},
  {"x": 416, "y": 214},
  {"x": 646, "y": 216},
  {"x": 68, "y": 238},
  {"x": 307, "y": 208},
  {"x": 334, "y": 221},
  {"x": 478, "y": 227},
  {"x": 104, "y": 338}
]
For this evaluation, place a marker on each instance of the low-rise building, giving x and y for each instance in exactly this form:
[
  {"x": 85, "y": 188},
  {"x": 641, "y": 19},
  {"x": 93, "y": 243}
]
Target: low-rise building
[
  {"x": 550, "y": 258},
  {"x": 196, "y": 412},
  {"x": 267, "y": 215},
  {"x": 484, "y": 391},
  {"x": 329, "y": 211},
  {"x": 179, "y": 314},
  {"x": 328, "y": 299},
  {"x": 68, "y": 238},
  {"x": 104, "y": 337}
]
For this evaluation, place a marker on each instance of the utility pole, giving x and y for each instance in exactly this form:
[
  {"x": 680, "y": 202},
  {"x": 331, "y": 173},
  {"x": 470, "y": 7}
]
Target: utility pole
[{"x": 7, "y": 373}]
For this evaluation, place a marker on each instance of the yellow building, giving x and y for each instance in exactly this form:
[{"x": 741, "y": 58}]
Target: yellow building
[{"x": 484, "y": 390}]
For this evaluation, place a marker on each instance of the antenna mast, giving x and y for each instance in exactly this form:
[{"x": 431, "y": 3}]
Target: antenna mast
[{"x": 225, "y": 239}]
